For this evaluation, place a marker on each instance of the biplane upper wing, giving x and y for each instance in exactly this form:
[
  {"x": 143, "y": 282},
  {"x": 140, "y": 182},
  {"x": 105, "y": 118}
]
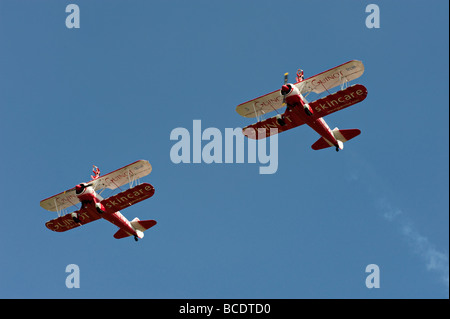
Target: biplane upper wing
[
  {"x": 66, "y": 222},
  {"x": 60, "y": 201},
  {"x": 124, "y": 175},
  {"x": 129, "y": 197},
  {"x": 331, "y": 78},
  {"x": 261, "y": 105},
  {"x": 318, "y": 83},
  {"x": 111, "y": 180}
]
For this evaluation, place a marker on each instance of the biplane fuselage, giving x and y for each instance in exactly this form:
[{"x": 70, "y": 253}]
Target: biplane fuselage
[
  {"x": 92, "y": 202},
  {"x": 299, "y": 109}
]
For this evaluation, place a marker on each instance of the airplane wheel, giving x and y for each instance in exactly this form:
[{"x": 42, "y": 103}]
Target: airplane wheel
[
  {"x": 135, "y": 238},
  {"x": 281, "y": 121},
  {"x": 76, "y": 220},
  {"x": 308, "y": 112},
  {"x": 99, "y": 210},
  {"x": 337, "y": 148}
]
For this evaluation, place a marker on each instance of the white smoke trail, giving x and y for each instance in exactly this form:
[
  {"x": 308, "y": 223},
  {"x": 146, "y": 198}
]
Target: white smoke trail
[{"x": 434, "y": 260}]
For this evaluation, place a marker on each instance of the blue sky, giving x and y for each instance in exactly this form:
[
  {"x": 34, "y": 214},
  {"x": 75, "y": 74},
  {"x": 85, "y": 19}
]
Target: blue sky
[{"x": 111, "y": 92}]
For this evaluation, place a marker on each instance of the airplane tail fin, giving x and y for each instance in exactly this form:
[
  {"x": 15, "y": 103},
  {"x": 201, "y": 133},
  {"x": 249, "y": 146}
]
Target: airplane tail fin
[
  {"x": 341, "y": 136},
  {"x": 139, "y": 226}
]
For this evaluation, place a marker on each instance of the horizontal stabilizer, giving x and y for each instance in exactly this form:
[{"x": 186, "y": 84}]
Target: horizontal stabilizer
[
  {"x": 139, "y": 226},
  {"x": 143, "y": 225},
  {"x": 345, "y": 135},
  {"x": 340, "y": 135},
  {"x": 121, "y": 234},
  {"x": 321, "y": 143}
]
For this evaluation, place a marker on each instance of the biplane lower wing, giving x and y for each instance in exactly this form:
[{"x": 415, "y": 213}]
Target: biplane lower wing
[
  {"x": 271, "y": 126},
  {"x": 129, "y": 197},
  {"x": 320, "y": 108},
  {"x": 338, "y": 100},
  {"x": 66, "y": 222}
]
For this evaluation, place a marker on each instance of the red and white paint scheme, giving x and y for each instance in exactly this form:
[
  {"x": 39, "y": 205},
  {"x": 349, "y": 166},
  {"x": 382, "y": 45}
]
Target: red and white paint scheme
[
  {"x": 94, "y": 207},
  {"x": 299, "y": 111}
]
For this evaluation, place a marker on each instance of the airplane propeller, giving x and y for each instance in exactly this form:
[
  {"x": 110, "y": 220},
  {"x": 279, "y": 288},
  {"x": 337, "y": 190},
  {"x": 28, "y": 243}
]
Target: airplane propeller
[
  {"x": 80, "y": 187},
  {"x": 285, "y": 88}
]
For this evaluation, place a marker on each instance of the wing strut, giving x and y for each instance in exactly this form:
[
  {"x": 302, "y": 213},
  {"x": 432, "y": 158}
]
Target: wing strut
[
  {"x": 56, "y": 205},
  {"x": 62, "y": 211},
  {"x": 256, "y": 113},
  {"x": 132, "y": 180},
  {"x": 344, "y": 82}
]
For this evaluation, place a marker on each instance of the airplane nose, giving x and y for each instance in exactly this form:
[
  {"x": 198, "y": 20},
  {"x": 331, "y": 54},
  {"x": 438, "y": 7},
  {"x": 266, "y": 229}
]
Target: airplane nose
[
  {"x": 79, "y": 188},
  {"x": 285, "y": 89}
]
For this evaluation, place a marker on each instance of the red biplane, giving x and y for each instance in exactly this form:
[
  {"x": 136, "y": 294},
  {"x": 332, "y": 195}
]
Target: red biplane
[
  {"x": 94, "y": 207},
  {"x": 298, "y": 111}
]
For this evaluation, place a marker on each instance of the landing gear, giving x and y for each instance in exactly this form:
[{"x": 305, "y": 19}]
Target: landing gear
[
  {"x": 136, "y": 238},
  {"x": 99, "y": 209},
  {"x": 307, "y": 111},
  {"x": 280, "y": 120},
  {"x": 337, "y": 148},
  {"x": 75, "y": 218}
]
